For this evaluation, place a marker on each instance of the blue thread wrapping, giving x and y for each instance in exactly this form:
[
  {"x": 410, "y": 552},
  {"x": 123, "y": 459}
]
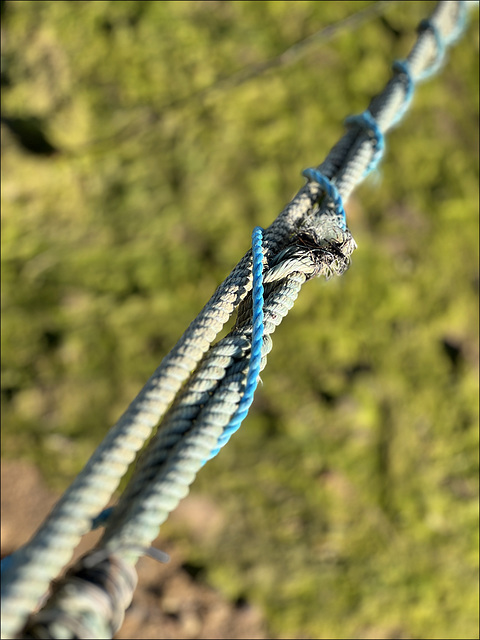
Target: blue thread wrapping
[
  {"x": 101, "y": 519},
  {"x": 403, "y": 67},
  {"x": 442, "y": 42},
  {"x": 257, "y": 342},
  {"x": 314, "y": 175},
  {"x": 368, "y": 123},
  {"x": 6, "y": 563}
]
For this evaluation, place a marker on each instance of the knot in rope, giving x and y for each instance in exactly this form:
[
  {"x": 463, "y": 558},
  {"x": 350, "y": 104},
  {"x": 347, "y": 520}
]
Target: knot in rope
[
  {"x": 441, "y": 42},
  {"x": 89, "y": 602},
  {"x": 367, "y": 123},
  {"x": 314, "y": 175}
]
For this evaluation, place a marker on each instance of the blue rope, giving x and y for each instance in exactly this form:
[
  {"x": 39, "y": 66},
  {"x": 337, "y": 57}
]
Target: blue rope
[
  {"x": 101, "y": 519},
  {"x": 368, "y": 123},
  {"x": 6, "y": 562},
  {"x": 257, "y": 343},
  {"x": 314, "y": 175}
]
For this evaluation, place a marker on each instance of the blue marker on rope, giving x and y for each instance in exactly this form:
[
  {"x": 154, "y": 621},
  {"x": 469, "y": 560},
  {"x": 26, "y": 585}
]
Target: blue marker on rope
[
  {"x": 314, "y": 175},
  {"x": 403, "y": 67},
  {"x": 368, "y": 123},
  {"x": 257, "y": 342}
]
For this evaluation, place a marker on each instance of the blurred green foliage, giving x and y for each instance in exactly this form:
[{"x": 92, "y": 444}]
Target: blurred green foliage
[{"x": 350, "y": 493}]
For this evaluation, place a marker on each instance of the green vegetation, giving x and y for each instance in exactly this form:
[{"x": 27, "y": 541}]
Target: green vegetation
[{"x": 350, "y": 493}]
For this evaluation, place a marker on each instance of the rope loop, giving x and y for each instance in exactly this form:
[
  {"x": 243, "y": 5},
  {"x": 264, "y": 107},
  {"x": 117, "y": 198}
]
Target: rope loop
[
  {"x": 314, "y": 175},
  {"x": 366, "y": 122}
]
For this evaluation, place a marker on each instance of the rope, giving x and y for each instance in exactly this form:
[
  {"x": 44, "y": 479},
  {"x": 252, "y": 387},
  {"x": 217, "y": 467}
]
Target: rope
[
  {"x": 257, "y": 343},
  {"x": 89, "y": 602},
  {"x": 191, "y": 429},
  {"x": 332, "y": 192},
  {"x": 289, "y": 56},
  {"x": 366, "y": 122},
  {"x": 402, "y": 68},
  {"x": 197, "y": 390},
  {"x": 428, "y": 25}
]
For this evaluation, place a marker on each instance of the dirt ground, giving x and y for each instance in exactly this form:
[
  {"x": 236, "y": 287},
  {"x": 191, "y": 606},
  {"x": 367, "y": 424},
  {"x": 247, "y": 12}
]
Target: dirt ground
[{"x": 169, "y": 601}]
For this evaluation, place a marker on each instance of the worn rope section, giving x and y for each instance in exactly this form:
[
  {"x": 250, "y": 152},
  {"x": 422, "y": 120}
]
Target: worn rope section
[
  {"x": 306, "y": 239},
  {"x": 192, "y": 428},
  {"x": 326, "y": 185}
]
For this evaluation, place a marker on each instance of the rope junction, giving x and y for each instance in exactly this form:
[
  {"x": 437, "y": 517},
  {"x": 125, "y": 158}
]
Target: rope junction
[{"x": 201, "y": 393}]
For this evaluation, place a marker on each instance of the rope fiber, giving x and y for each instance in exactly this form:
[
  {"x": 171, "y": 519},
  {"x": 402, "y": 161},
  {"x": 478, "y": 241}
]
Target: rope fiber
[{"x": 201, "y": 393}]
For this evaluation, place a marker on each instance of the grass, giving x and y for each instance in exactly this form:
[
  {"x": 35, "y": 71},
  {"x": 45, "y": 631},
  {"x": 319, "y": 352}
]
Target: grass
[{"x": 350, "y": 494}]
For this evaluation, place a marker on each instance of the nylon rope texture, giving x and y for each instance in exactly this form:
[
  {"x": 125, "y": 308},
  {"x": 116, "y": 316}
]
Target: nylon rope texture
[{"x": 197, "y": 389}]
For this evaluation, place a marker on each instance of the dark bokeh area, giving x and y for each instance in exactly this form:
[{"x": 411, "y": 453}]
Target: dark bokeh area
[{"x": 141, "y": 143}]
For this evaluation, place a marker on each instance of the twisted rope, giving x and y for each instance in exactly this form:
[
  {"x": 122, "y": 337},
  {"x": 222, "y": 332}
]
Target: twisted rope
[
  {"x": 257, "y": 343},
  {"x": 308, "y": 238},
  {"x": 89, "y": 602},
  {"x": 366, "y": 122},
  {"x": 205, "y": 411},
  {"x": 190, "y": 431},
  {"x": 331, "y": 190}
]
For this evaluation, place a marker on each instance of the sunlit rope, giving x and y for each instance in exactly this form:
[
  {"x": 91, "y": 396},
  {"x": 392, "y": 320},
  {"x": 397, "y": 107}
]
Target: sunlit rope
[
  {"x": 198, "y": 388},
  {"x": 314, "y": 175},
  {"x": 367, "y": 122},
  {"x": 257, "y": 340}
]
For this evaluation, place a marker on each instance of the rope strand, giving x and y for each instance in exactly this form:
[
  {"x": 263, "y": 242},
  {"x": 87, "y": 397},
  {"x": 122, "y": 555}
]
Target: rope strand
[{"x": 198, "y": 388}]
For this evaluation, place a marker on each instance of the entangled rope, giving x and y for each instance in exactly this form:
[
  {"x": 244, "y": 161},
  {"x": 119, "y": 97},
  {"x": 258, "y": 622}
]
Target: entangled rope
[{"x": 200, "y": 392}]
